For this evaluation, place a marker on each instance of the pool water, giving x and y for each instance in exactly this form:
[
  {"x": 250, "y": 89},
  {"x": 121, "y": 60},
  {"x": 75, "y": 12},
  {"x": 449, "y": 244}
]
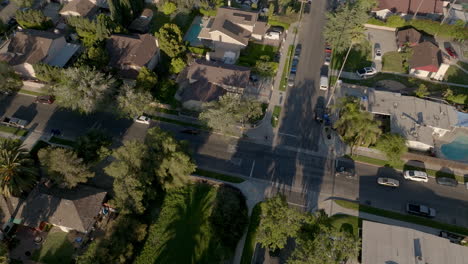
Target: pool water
[
  {"x": 457, "y": 149},
  {"x": 194, "y": 30}
]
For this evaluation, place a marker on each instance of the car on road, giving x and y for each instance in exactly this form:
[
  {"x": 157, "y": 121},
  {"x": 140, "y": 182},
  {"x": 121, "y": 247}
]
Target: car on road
[
  {"x": 451, "y": 52},
  {"x": 414, "y": 175},
  {"x": 45, "y": 99},
  {"x": 366, "y": 72},
  {"x": 328, "y": 48},
  {"x": 291, "y": 79},
  {"x": 327, "y": 59},
  {"x": 143, "y": 120},
  {"x": 454, "y": 238},
  {"x": 421, "y": 210},
  {"x": 297, "y": 51},
  {"x": 447, "y": 181},
  {"x": 323, "y": 83},
  {"x": 190, "y": 131},
  {"x": 345, "y": 172},
  {"x": 294, "y": 64},
  {"x": 388, "y": 182},
  {"x": 320, "y": 109}
]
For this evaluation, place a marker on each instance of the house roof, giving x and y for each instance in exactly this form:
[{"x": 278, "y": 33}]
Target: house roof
[
  {"x": 71, "y": 208},
  {"x": 409, "y": 35},
  {"x": 29, "y": 46},
  {"x": 412, "y": 117},
  {"x": 260, "y": 28},
  {"x": 84, "y": 8},
  {"x": 147, "y": 13},
  {"x": 383, "y": 243},
  {"x": 132, "y": 50},
  {"x": 228, "y": 21},
  {"x": 219, "y": 73},
  {"x": 426, "y": 56},
  {"x": 202, "y": 91},
  {"x": 411, "y": 6},
  {"x": 141, "y": 23}
]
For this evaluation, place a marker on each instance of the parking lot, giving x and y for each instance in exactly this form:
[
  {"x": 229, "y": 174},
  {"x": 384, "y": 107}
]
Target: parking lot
[{"x": 385, "y": 38}]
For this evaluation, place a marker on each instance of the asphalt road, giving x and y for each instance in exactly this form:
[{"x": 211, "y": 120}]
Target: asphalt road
[{"x": 296, "y": 127}]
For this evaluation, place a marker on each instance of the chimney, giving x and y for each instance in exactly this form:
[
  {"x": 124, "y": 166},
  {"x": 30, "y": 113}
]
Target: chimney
[
  {"x": 229, "y": 3},
  {"x": 207, "y": 56}
]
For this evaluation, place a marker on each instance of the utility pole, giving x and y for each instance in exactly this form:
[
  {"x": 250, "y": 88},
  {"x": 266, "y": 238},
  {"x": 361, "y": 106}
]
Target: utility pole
[
  {"x": 332, "y": 91},
  {"x": 417, "y": 10}
]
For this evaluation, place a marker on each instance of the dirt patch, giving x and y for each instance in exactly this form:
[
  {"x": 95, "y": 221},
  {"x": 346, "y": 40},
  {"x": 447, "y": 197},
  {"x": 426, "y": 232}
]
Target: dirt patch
[{"x": 391, "y": 85}]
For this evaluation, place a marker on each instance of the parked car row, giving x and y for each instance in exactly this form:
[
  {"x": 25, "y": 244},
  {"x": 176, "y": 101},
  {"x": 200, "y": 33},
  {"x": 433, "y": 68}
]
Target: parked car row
[{"x": 294, "y": 63}]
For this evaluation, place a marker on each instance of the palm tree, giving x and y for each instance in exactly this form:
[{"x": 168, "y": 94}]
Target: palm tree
[{"x": 17, "y": 170}]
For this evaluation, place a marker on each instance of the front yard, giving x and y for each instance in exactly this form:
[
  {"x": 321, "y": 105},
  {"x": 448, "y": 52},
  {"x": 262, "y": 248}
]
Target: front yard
[
  {"x": 250, "y": 55},
  {"x": 456, "y": 75},
  {"x": 56, "y": 249},
  {"x": 393, "y": 62}
]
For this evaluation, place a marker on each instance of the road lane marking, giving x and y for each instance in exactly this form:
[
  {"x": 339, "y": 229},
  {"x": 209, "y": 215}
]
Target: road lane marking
[
  {"x": 251, "y": 170},
  {"x": 289, "y": 135}
]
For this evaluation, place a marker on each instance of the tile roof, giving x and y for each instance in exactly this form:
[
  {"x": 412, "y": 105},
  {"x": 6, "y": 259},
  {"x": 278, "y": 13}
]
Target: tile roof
[
  {"x": 426, "y": 54},
  {"x": 411, "y": 6},
  {"x": 136, "y": 50},
  {"x": 83, "y": 7},
  {"x": 409, "y": 35}
]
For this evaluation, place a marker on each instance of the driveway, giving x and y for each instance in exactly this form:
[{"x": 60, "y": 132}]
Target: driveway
[{"x": 386, "y": 40}]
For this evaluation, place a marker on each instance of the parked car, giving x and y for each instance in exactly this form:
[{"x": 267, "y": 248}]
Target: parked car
[
  {"x": 298, "y": 50},
  {"x": 366, "y": 72},
  {"x": 422, "y": 210},
  {"x": 328, "y": 48},
  {"x": 292, "y": 77},
  {"x": 253, "y": 78},
  {"x": 273, "y": 35},
  {"x": 388, "y": 182},
  {"x": 276, "y": 29},
  {"x": 452, "y": 52},
  {"x": 45, "y": 99},
  {"x": 413, "y": 175},
  {"x": 447, "y": 181},
  {"x": 345, "y": 172},
  {"x": 190, "y": 131},
  {"x": 143, "y": 120},
  {"x": 14, "y": 122},
  {"x": 327, "y": 59},
  {"x": 293, "y": 68},
  {"x": 320, "y": 109},
  {"x": 323, "y": 82},
  {"x": 377, "y": 51},
  {"x": 454, "y": 238}
]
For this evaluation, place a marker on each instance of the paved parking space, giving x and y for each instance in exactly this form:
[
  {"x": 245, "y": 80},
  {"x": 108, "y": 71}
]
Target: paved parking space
[{"x": 385, "y": 38}]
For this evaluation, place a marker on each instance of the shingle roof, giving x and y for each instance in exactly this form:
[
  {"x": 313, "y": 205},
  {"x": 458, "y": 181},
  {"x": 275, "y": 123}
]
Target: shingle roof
[
  {"x": 135, "y": 50},
  {"x": 29, "y": 46},
  {"x": 202, "y": 91},
  {"x": 83, "y": 7},
  {"x": 219, "y": 73},
  {"x": 72, "y": 208},
  {"x": 411, "y": 6},
  {"x": 227, "y": 21},
  {"x": 409, "y": 35},
  {"x": 427, "y": 55}
]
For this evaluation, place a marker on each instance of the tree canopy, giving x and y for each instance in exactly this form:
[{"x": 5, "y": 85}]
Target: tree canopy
[
  {"x": 132, "y": 102},
  {"x": 169, "y": 8},
  {"x": 33, "y": 19},
  {"x": 146, "y": 79},
  {"x": 265, "y": 67},
  {"x": 93, "y": 146},
  {"x": 177, "y": 65},
  {"x": 124, "y": 11},
  {"x": 10, "y": 82},
  {"x": 24, "y": 3},
  {"x": 393, "y": 145},
  {"x": 170, "y": 40},
  {"x": 92, "y": 31}
]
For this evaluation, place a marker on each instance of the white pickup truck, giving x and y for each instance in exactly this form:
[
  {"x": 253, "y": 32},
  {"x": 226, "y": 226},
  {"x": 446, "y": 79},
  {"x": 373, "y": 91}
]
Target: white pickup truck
[{"x": 14, "y": 122}]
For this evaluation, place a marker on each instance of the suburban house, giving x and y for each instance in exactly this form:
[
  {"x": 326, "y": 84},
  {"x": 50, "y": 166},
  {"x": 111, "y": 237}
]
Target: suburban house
[
  {"x": 421, "y": 7},
  {"x": 426, "y": 60},
  {"x": 419, "y": 121},
  {"x": 8, "y": 12},
  {"x": 141, "y": 23},
  {"x": 207, "y": 81},
  {"x": 457, "y": 11},
  {"x": 83, "y": 8},
  {"x": 29, "y": 46},
  {"x": 69, "y": 209},
  {"x": 130, "y": 53},
  {"x": 408, "y": 36},
  {"x": 230, "y": 31},
  {"x": 383, "y": 243}
]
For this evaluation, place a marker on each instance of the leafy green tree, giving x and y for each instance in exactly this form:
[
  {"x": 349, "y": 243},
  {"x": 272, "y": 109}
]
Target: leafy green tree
[
  {"x": 85, "y": 28},
  {"x": 24, "y": 3},
  {"x": 10, "y": 82},
  {"x": 271, "y": 10},
  {"x": 229, "y": 111},
  {"x": 47, "y": 73},
  {"x": 278, "y": 223},
  {"x": 132, "y": 102},
  {"x": 395, "y": 21},
  {"x": 63, "y": 166},
  {"x": 356, "y": 128},
  {"x": 393, "y": 145},
  {"x": 95, "y": 56},
  {"x": 124, "y": 11},
  {"x": 172, "y": 164},
  {"x": 17, "y": 170},
  {"x": 177, "y": 65},
  {"x": 170, "y": 40},
  {"x": 83, "y": 89},
  {"x": 265, "y": 67},
  {"x": 104, "y": 27},
  {"x": 93, "y": 146},
  {"x": 4, "y": 253},
  {"x": 209, "y": 7},
  {"x": 169, "y": 8},
  {"x": 3, "y": 27},
  {"x": 146, "y": 79},
  {"x": 33, "y": 19},
  {"x": 422, "y": 91}
]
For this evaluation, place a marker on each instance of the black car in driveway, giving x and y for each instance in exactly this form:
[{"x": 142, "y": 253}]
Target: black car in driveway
[
  {"x": 447, "y": 181},
  {"x": 345, "y": 168}
]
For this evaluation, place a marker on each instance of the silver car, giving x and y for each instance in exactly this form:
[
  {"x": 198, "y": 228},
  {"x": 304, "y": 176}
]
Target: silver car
[
  {"x": 388, "y": 182},
  {"x": 413, "y": 175}
]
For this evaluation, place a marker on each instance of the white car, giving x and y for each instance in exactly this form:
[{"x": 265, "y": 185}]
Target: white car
[
  {"x": 143, "y": 120},
  {"x": 272, "y": 35},
  {"x": 378, "y": 54},
  {"x": 388, "y": 182},
  {"x": 413, "y": 175},
  {"x": 366, "y": 72}
]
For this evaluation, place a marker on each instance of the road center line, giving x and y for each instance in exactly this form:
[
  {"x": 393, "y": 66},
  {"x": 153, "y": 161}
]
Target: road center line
[
  {"x": 251, "y": 170},
  {"x": 289, "y": 135}
]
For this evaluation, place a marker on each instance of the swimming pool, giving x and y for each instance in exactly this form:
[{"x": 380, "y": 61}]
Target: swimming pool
[
  {"x": 457, "y": 149},
  {"x": 194, "y": 30}
]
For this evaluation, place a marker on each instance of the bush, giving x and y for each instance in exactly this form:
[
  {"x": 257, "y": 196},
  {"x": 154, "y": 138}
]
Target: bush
[
  {"x": 177, "y": 65},
  {"x": 168, "y": 8},
  {"x": 47, "y": 73},
  {"x": 33, "y": 19},
  {"x": 199, "y": 50},
  {"x": 395, "y": 21}
]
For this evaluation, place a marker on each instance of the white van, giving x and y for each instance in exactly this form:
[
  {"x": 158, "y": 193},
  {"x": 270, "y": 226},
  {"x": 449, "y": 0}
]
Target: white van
[{"x": 323, "y": 83}]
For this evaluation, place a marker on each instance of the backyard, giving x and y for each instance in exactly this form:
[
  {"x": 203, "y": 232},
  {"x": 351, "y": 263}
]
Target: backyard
[
  {"x": 348, "y": 223},
  {"x": 56, "y": 248},
  {"x": 250, "y": 55}
]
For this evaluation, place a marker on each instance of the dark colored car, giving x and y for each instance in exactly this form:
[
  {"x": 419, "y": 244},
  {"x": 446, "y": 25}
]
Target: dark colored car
[
  {"x": 45, "y": 99},
  {"x": 454, "y": 238},
  {"x": 190, "y": 131},
  {"x": 298, "y": 50},
  {"x": 421, "y": 210},
  {"x": 451, "y": 52},
  {"x": 276, "y": 29},
  {"x": 320, "y": 109},
  {"x": 447, "y": 181}
]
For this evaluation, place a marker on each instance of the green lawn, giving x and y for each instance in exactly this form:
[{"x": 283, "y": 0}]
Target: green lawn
[
  {"x": 183, "y": 233},
  {"x": 393, "y": 61},
  {"x": 23, "y": 91},
  {"x": 13, "y": 130},
  {"x": 177, "y": 122},
  {"x": 456, "y": 75},
  {"x": 254, "y": 51},
  {"x": 250, "y": 240},
  {"x": 167, "y": 111},
  {"x": 39, "y": 145},
  {"x": 359, "y": 57},
  {"x": 219, "y": 176},
  {"x": 275, "y": 116},
  {"x": 462, "y": 64},
  {"x": 287, "y": 65},
  {"x": 402, "y": 217},
  {"x": 62, "y": 141},
  {"x": 56, "y": 249},
  {"x": 347, "y": 222}
]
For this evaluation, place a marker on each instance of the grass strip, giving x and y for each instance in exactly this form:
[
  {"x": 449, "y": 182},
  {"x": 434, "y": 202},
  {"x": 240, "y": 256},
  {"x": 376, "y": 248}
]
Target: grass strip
[
  {"x": 23, "y": 91},
  {"x": 402, "y": 217},
  {"x": 62, "y": 141},
  {"x": 178, "y": 122},
  {"x": 275, "y": 116},
  {"x": 287, "y": 65},
  {"x": 21, "y": 132},
  {"x": 219, "y": 176},
  {"x": 167, "y": 111},
  {"x": 250, "y": 239}
]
